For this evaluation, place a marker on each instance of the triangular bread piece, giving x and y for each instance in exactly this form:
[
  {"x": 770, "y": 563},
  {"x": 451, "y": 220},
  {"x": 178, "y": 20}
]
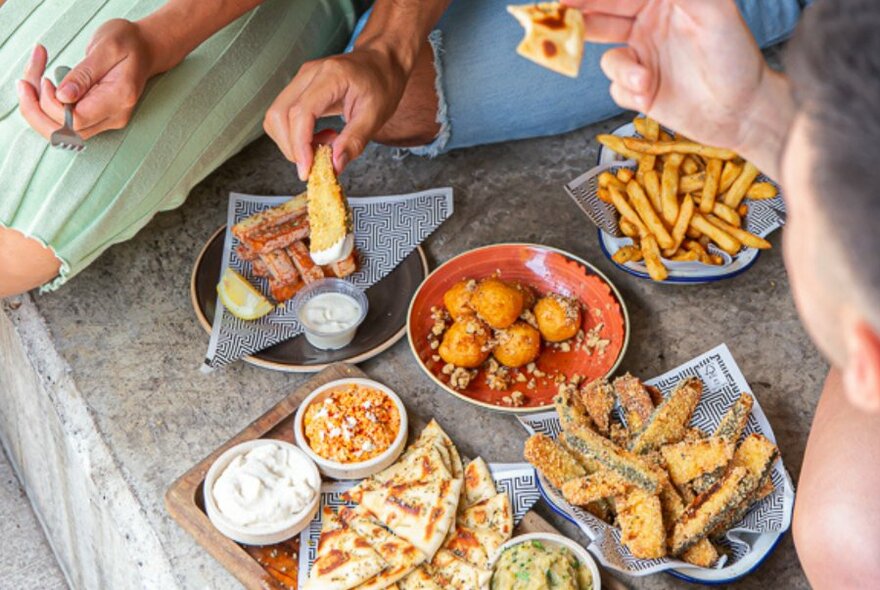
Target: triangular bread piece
[
  {"x": 494, "y": 513},
  {"x": 402, "y": 557},
  {"x": 344, "y": 559},
  {"x": 476, "y": 546},
  {"x": 453, "y": 573},
  {"x": 421, "y": 513},
  {"x": 425, "y": 463},
  {"x": 478, "y": 483},
  {"x": 433, "y": 431},
  {"x": 420, "y": 579},
  {"x": 554, "y": 36}
]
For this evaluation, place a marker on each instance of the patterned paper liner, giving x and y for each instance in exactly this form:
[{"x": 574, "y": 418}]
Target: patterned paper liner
[
  {"x": 723, "y": 383},
  {"x": 387, "y": 230},
  {"x": 517, "y": 479}
]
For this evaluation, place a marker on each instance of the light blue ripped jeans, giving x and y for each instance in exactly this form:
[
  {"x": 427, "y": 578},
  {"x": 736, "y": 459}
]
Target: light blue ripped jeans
[{"x": 490, "y": 94}]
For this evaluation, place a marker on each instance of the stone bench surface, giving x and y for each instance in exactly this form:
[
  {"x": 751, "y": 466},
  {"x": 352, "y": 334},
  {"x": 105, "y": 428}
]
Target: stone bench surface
[{"x": 133, "y": 411}]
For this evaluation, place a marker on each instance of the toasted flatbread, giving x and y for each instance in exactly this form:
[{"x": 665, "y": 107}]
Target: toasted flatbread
[
  {"x": 433, "y": 431},
  {"x": 495, "y": 514},
  {"x": 453, "y": 573},
  {"x": 554, "y": 36},
  {"x": 420, "y": 512},
  {"x": 421, "y": 579},
  {"x": 401, "y": 556},
  {"x": 478, "y": 483},
  {"x": 476, "y": 546},
  {"x": 345, "y": 560}
]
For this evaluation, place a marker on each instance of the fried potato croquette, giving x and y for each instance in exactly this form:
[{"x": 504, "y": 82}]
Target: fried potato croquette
[
  {"x": 499, "y": 304},
  {"x": 458, "y": 299},
  {"x": 466, "y": 343},
  {"x": 559, "y": 318},
  {"x": 518, "y": 345}
]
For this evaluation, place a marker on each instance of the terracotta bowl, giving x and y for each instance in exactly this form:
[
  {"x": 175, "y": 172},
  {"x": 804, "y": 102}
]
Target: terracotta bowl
[{"x": 546, "y": 270}]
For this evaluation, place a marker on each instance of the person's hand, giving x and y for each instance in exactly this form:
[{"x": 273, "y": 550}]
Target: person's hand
[
  {"x": 693, "y": 65},
  {"x": 364, "y": 86},
  {"x": 105, "y": 86}
]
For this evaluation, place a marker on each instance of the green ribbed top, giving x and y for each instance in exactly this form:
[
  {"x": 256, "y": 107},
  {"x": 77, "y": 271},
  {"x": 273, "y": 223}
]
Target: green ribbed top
[{"x": 189, "y": 121}]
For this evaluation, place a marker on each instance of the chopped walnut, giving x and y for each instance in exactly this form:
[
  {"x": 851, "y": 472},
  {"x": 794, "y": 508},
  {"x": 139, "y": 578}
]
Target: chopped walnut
[
  {"x": 461, "y": 378},
  {"x": 448, "y": 369},
  {"x": 531, "y": 384},
  {"x": 515, "y": 399},
  {"x": 520, "y": 378},
  {"x": 529, "y": 317},
  {"x": 530, "y": 368},
  {"x": 575, "y": 379},
  {"x": 594, "y": 343},
  {"x": 565, "y": 347},
  {"x": 435, "y": 344},
  {"x": 497, "y": 377},
  {"x": 539, "y": 373},
  {"x": 435, "y": 358}
]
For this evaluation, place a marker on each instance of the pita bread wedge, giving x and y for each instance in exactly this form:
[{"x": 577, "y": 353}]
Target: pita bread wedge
[
  {"x": 494, "y": 513},
  {"x": 420, "y": 512},
  {"x": 554, "y": 36},
  {"x": 400, "y": 555},
  {"x": 344, "y": 560},
  {"x": 478, "y": 483},
  {"x": 433, "y": 431},
  {"x": 421, "y": 579},
  {"x": 475, "y": 546},
  {"x": 453, "y": 573},
  {"x": 423, "y": 464}
]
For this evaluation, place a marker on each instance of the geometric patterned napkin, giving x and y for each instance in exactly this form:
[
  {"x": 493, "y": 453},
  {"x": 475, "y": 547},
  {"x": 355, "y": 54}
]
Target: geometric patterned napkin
[
  {"x": 723, "y": 383},
  {"x": 387, "y": 230}
]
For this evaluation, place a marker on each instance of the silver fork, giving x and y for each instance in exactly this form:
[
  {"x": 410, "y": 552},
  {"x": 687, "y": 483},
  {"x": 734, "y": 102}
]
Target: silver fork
[{"x": 66, "y": 138}]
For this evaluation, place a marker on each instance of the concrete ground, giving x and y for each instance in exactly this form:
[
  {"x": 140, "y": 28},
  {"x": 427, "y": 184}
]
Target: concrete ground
[
  {"x": 116, "y": 353},
  {"x": 26, "y": 560}
]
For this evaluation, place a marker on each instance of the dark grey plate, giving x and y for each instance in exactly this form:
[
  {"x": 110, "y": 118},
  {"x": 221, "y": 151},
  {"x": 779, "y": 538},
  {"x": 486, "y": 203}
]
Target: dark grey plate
[{"x": 385, "y": 323}]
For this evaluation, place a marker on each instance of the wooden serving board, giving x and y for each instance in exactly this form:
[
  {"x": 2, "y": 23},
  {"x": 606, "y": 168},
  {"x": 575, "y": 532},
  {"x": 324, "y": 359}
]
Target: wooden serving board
[{"x": 184, "y": 499}]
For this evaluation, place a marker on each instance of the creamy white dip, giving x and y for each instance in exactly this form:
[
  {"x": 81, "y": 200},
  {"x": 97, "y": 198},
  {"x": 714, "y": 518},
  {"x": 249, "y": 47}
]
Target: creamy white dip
[
  {"x": 338, "y": 251},
  {"x": 330, "y": 320},
  {"x": 265, "y": 487}
]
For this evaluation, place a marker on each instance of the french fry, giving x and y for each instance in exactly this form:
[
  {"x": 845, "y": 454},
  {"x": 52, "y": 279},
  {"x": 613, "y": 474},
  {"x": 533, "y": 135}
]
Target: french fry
[
  {"x": 689, "y": 256},
  {"x": 627, "y": 254},
  {"x": 649, "y": 129},
  {"x": 651, "y": 181},
  {"x": 603, "y": 195},
  {"x": 651, "y": 252},
  {"x": 729, "y": 174},
  {"x": 624, "y": 175},
  {"x": 690, "y": 165},
  {"x": 700, "y": 251},
  {"x": 679, "y": 230},
  {"x": 615, "y": 143},
  {"x": 743, "y": 210},
  {"x": 665, "y": 136},
  {"x": 692, "y": 182},
  {"x": 741, "y": 185},
  {"x": 716, "y": 259},
  {"x": 669, "y": 188},
  {"x": 723, "y": 238},
  {"x": 659, "y": 148},
  {"x": 724, "y": 212},
  {"x": 762, "y": 190},
  {"x": 649, "y": 216},
  {"x": 628, "y": 229},
  {"x": 693, "y": 233},
  {"x": 626, "y": 210},
  {"x": 747, "y": 238},
  {"x": 710, "y": 186},
  {"x": 605, "y": 178}
]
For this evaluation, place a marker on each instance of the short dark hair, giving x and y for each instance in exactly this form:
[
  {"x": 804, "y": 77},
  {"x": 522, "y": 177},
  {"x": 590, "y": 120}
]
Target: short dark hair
[{"x": 834, "y": 65}]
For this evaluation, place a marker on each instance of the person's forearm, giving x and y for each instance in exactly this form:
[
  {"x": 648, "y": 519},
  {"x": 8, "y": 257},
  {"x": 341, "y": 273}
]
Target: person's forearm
[
  {"x": 399, "y": 28},
  {"x": 179, "y": 26},
  {"x": 767, "y": 123}
]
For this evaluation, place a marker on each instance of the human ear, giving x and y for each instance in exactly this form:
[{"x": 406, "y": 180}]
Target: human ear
[{"x": 861, "y": 374}]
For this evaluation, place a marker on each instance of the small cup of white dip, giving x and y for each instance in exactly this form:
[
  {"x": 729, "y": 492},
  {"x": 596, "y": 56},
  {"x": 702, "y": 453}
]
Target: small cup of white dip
[
  {"x": 262, "y": 492},
  {"x": 330, "y": 311}
]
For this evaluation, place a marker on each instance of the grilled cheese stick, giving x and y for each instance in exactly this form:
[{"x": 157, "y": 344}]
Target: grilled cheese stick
[
  {"x": 626, "y": 465},
  {"x": 635, "y": 399},
  {"x": 730, "y": 428},
  {"x": 641, "y": 524},
  {"x": 572, "y": 413},
  {"x": 598, "y": 399},
  {"x": 591, "y": 488},
  {"x": 687, "y": 461}
]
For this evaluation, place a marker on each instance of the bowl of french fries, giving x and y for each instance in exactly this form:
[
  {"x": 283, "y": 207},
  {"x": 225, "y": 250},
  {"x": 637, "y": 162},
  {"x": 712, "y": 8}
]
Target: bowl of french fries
[{"x": 674, "y": 210}]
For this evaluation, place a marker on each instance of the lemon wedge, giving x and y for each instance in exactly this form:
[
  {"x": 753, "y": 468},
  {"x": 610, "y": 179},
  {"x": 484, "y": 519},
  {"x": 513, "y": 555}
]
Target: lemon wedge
[{"x": 240, "y": 297}]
